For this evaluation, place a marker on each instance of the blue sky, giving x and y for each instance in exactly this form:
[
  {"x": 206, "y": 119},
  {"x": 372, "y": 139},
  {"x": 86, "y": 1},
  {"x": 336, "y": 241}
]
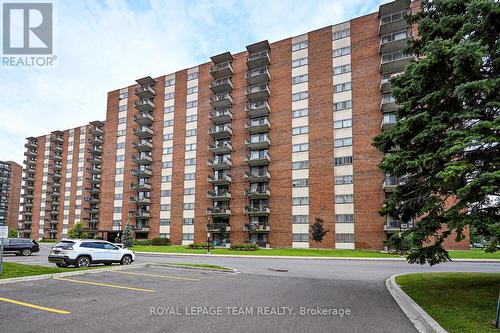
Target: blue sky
[{"x": 104, "y": 45}]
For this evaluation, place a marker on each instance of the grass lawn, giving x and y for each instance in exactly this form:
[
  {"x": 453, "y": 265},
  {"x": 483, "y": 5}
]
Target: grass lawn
[
  {"x": 222, "y": 268},
  {"x": 13, "y": 270},
  {"x": 460, "y": 302},
  {"x": 474, "y": 254}
]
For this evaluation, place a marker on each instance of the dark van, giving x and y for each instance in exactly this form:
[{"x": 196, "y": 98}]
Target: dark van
[{"x": 20, "y": 246}]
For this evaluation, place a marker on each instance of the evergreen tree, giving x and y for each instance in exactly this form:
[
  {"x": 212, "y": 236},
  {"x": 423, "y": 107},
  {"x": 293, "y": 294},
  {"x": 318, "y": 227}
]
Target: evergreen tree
[
  {"x": 317, "y": 230},
  {"x": 447, "y": 128},
  {"x": 127, "y": 240}
]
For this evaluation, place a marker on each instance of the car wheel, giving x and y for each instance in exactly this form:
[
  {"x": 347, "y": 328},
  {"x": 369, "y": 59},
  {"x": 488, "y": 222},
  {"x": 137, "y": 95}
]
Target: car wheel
[
  {"x": 82, "y": 262},
  {"x": 126, "y": 260},
  {"x": 26, "y": 252},
  {"x": 61, "y": 265}
]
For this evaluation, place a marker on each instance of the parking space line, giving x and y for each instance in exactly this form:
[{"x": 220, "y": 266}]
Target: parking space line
[
  {"x": 34, "y": 306},
  {"x": 105, "y": 285},
  {"x": 159, "y": 276}
]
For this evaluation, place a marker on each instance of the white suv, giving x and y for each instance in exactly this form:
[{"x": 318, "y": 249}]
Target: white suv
[{"x": 83, "y": 252}]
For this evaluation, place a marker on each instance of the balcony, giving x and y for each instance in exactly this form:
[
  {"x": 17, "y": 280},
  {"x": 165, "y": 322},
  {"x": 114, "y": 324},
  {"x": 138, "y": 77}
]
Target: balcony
[
  {"x": 57, "y": 157},
  {"x": 258, "y": 59},
  {"x": 30, "y": 178},
  {"x": 96, "y": 150},
  {"x": 143, "y": 132},
  {"x": 97, "y": 131},
  {"x": 139, "y": 214},
  {"x": 258, "y": 75},
  {"x": 394, "y": 62},
  {"x": 258, "y": 125},
  {"x": 28, "y": 213},
  {"x": 223, "y": 69},
  {"x": 257, "y": 228},
  {"x": 388, "y": 103},
  {"x": 56, "y": 193},
  {"x": 143, "y": 145},
  {"x": 141, "y": 187},
  {"x": 257, "y": 210},
  {"x": 221, "y": 85},
  {"x": 30, "y": 153},
  {"x": 142, "y": 159},
  {"x": 27, "y": 204},
  {"x": 393, "y": 19},
  {"x": 218, "y": 228},
  {"x": 219, "y": 212},
  {"x": 391, "y": 226},
  {"x": 220, "y": 131},
  {"x": 144, "y": 105},
  {"x": 257, "y": 193},
  {"x": 385, "y": 84},
  {"x": 219, "y": 195},
  {"x": 388, "y": 121},
  {"x": 257, "y": 92},
  {"x": 30, "y": 187},
  {"x": 147, "y": 91},
  {"x": 222, "y": 100},
  {"x": 31, "y": 144},
  {"x": 390, "y": 184},
  {"x": 146, "y": 81},
  {"x": 142, "y": 173},
  {"x": 57, "y": 166},
  {"x": 220, "y": 163},
  {"x": 260, "y": 159},
  {"x": 221, "y": 116},
  {"x": 56, "y": 175},
  {"x": 94, "y": 160},
  {"x": 30, "y": 161},
  {"x": 220, "y": 179},
  {"x": 95, "y": 140},
  {"x": 220, "y": 148},
  {"x": 93, "y": 189},
  {"x": 92, "y": 200},
  {"x": 141, "y": 201},
  {"x": 141, "y": 227},
  {"x": 93, "y": 180},
  {"x": 258, "y": 143},
  {"x": 58, "y": 139},
  {"x": 257, "y": 109},
  {"x": 393, "y": 42},
  {"x": 58, "y": 148},
  {"x": 92, "y": 210},
  {"x": 144, "y": 118},
  {"x": 28, "y": 196},
  {"x": 94, "y": 171},
  {"x": 258, "y": 177}
]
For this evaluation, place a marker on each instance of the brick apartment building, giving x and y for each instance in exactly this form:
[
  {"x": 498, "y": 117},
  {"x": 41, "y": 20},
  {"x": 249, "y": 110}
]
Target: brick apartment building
[
  {"x": 10, "y": 191},
  {"x": 247, "y": 147}
]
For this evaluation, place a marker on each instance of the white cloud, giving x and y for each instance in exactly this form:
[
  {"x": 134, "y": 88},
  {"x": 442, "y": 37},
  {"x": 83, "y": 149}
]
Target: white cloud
[{"x": 106, "y": 45}]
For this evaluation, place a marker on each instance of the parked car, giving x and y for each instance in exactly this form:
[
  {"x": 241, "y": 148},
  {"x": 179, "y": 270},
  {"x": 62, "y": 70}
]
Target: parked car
[
  {"x": 84, "y": 252},
  {"x": 20, "y": 246}
]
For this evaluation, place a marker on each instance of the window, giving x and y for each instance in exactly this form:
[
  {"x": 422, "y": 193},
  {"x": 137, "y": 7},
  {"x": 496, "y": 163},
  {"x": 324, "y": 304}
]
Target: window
[
  {"x": 116, "y": 223},
  {"x": 164, "y": 221},
  {"x": 192, "y": 76},
  {"x": 344, "y": 218},
  {"x": 342, "y": 123},
  {"x": 300, "y": 165},
  {"x": 188, "y": 221},
  {"x": 190, "y": 119},
  {"x": 395, "y": 36},
  {"x": 191, "y": 132},
  {"x": 300, "y": 219},
  {"x": 123, "y": 96},
  {"x": 300, "y": 182},
  {"x": 168, "y": 109},
  {"x": 119, "y": 171},
  {"x": 165, "y": 208},
  {"x": 170, "y": 95},
  {"x": 300, "y": 237},
  {"x": 341, "y": 34},
  {"x": 342, "y": 142},
  {"x": 122, "y": 120},
  {"x": 190, "y": 161},
  {"x": 190, "y": 176},
  {"x": 189, "y": 191},
  {"x": 299, "y": 62},
  {"x": 120, "y": 158},
  {"x": 300, "y": 201},
  {"x": 187, "y": 237},
  {"x": 119, "y": 183},
  {"x": 393, "y": 17},
  {"x": 342, "y": 87},
  {"x": 344, "y": 160},
  {"x": 166, "y": 164},
  {"x": 189, "y": 206},
  {"x": 344, "y": 238},
  {"x": 341, "y": 69},
  {"x": 121, "y": 133},
  {"x": 344, "y": 198},
  {"x": 398, "y": 55},
  {"x": 299, "y": 46},
  {"x": 191, "y": 104},
  {"x": 120, "y": 145},
  {"x": 300, "y": 147},
  {"x": 166, "y": 179},
  {"x": 168, "y": 136},
  {"x": 299, "y": 96},
  {"x": 169, "y": 122},
  {"x": 166, "y": 193},
  {"x": 169, "y": 82},
  {"x": 341, "y": 52},
  {"x": 342, "y": 105},
  {"x": 339, "y": 180},
  {"x": 300, "y": 113},
  {"x": 191, "y": 146},
  {"x": 299, "y": 79},
  {"x": 117, "y": 209},
  {"x": 164, "y": 235},
  {"x": 300, "y": 130},
  {"x": 192, "y": 90},
  {"x": 122, "y": 108},
  {"x": 168, "y": 150}
]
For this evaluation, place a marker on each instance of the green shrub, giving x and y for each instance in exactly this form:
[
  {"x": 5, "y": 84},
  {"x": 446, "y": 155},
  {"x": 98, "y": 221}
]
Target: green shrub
[
  {"x": 49, "y": 240},
  {"x": 199, "y": 246},
  {"x": 244, "y": 247},
  {"x": 145, "y": 242},
  {"x": 160, "y": 241}
]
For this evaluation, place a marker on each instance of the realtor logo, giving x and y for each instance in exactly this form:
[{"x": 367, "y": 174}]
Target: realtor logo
[{"x": 27, "y": 28}]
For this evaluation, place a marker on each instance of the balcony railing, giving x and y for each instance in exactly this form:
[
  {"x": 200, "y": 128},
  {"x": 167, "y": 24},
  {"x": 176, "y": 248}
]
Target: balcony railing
[
  {"x": 220, "y": 148},
  {"x": 142, "y": 173},
  {"x": 145, "y": 91},
  {"x": 219, "y": 211},
  {"x": 255, "y": 160},
  {"x": 258, "y": 59},
  {"x": 258, "y": 177},
  {"x": 222, "y": 100},
  {"x": 140, "y": 200},
  {"x": 219, "y": 195},
  {"x": 143, "y": 145},
  {"x": 221, "y": 85},
  {"x": 220, "y": 179},
  {"x": 388, "y": 121},
  {"x": 258, "y": 125},
  {"x": 221, "y": 116},
  {"x": 144, "y": 118},
  {"x": 94, "y": 160},
  {"x": 218, "y": 227},
  {"x": 144, "y": 105},
  {"x": 257, "y": 108},
  {"x": 223, "y": 69},
  {"x": 257, "y": 92},
  {"x": 257, "y": 210},
  {"x": 257, "y": 193},
  {"x": 143, "y": 132},
  {"x": 220, "y": 131},
  {"x": 141, "y": 186},
  {"x": 258, "y": 75},
  {"x": 220, "y": 163},
  {"x": 256, "y": 228}
]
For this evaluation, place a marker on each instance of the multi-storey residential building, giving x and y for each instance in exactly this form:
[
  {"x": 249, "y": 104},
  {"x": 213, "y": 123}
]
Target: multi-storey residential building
[
  {"x": 253, "y": 146},
  {"x": 10, "y": 190}
]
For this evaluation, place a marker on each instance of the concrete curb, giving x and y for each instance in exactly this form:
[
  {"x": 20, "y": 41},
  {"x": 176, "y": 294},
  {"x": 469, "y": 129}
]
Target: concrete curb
[
  {"x": 298, "y": 257},
  {"x": 231, "y": 271},
  {"x": 419, "y": 318},
  {"x": 49, "y": 276}
]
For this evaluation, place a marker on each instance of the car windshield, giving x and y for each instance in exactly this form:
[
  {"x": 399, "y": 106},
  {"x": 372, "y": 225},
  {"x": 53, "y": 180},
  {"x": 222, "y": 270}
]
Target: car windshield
[{"x": 65, "y": 244}]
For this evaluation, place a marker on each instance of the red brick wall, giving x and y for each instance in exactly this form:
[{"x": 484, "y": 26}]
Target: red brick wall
[
  {"x": 38, "y": 187},
  {"x": 14, "y": 195}
]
